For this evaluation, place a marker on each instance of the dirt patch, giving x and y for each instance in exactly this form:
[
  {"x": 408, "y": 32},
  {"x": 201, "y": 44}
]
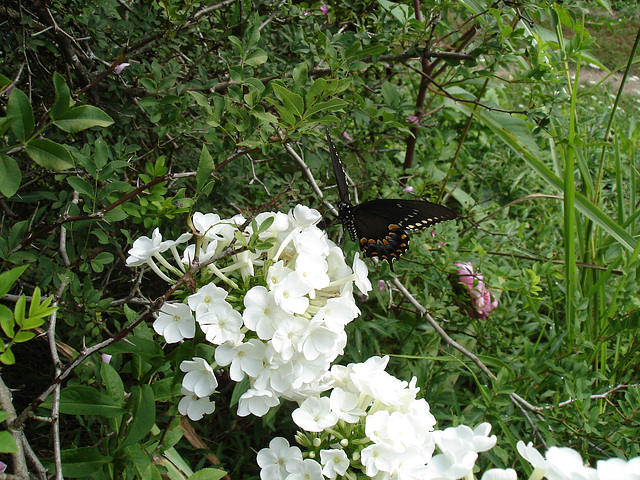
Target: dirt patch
[{"x": 593, "y": 76}]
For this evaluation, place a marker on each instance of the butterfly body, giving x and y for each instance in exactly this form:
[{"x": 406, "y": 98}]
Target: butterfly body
[{"x": 380, "y": 226}]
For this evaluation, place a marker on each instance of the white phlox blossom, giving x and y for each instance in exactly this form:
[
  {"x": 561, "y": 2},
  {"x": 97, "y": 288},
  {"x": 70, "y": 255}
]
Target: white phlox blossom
[
  {"x": 193, "y": 406},
  {"x": 276, "y": 312},
  {"x": 200, "y": 378},
  {"x": 145, "y": 251},
  {"x": 500, "y": 474},
  {"x": 563, "y": 463},
  {"x": 175, "y": 322},
  {"x": 315, "y": 415},
  {"x": 276, "y": 461}
]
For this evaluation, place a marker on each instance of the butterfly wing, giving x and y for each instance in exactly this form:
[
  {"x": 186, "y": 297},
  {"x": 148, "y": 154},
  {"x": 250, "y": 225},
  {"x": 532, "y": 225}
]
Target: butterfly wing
[
  {"x": 338, "y": 171},
  {"x": 381, "y": 226}
]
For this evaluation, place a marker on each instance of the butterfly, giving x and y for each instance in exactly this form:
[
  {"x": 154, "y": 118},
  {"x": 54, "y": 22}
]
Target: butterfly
[{"x": 380, "y": 226}]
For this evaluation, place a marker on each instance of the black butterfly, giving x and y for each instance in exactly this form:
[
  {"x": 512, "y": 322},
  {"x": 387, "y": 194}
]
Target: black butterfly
[{"x": 381, "y": 226}]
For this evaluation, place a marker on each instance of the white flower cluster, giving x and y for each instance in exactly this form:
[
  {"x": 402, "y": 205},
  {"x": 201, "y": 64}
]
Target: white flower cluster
[
  {"x": 282, "y": 329},
  {"x": 562, "y": 463},
  {"x": 372, "y": 423}
]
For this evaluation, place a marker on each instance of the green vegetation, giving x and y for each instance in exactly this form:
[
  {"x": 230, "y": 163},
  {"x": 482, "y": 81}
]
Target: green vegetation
[{"x": 117, "y": 118}]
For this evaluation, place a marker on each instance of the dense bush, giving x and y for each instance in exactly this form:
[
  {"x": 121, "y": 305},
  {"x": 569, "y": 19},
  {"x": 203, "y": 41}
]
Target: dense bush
[{"x": 119, "y": 118}]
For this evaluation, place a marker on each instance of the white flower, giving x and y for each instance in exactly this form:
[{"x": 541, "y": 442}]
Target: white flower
[
  {"x": 290, "y": 294},
  {"x": 256, "y": 402},
  {"x": 618, "y": 469},
  {"x": 303, "y": 216},
  {"x": 274, "y": 460},
  {"x": 345, "y": 406},
  {"x": 200, "y": 378},
  {"x": 195, "y": 407},
  {"x": 337, "y": 313},
  {"x": 378, "y": 457},
  {"x": 462, "y": 439},
  {"x": 144, "y": 248},
  {"x": 262, "y": 313},
  {"x": 318, "y": 340},
  {"x": 315, "y": 415},
  {"x": 311, "y": 241},
  {"x": 287, "y": 336},
  {"x": 277, "y": 273},
  {"x": 500, "y": 474},
  {"x": 175, "y": 322},
  {"x": 531, "y": 455},
  {"x": 204, "y": 222},
  {"x": 279, "y": 225},
  {"x": 206, "y": 297},
  {"x": 566, "y": 464},
  {"x": 312, "y": 270},
  {"x": 221, "y": 323},
  {"x": 560, "y": 464},
  {"x": 450, "y": 466},
  {"x": 306, "y": 469},
  {"x": 361, "y": 274},
  {"x": 334, "y": 463},
  {"x": 204, "y": 254},
  {"x": 245, "y": 358}
]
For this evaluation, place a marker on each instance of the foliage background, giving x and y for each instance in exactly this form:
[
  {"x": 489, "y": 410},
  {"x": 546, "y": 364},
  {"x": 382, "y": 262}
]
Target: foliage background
[{"x": 542, "y": 168}]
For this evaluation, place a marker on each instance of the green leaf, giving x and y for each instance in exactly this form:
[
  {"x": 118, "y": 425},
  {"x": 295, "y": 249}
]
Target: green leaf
[
  {"x": 333, "y": 105},
  {"x": 35, "y": 301},
  {"x": 84, "y": 400},
  {"x": 10, "y": 176},
  {"x": 112, "y": 382},
  {"x": 49, "y": 155},
  {"x": 256, "y": 57},
  {"x": 7, "y": 443},
  {"x": 20, "y": 106},
  {"x": 4, "y": 81},
  {"x": 143, "y": 412},
  {"x": 8, "y": 358},
  {"x": 82, "y": 117},
  {"x": 19, "y": 310},
  {"x": 141, "y": 462},
  {"x": 62, "y": 100},
  {"x": 265, "y": 116},
  {"x": 82, "y": 461},
  {"x": 7, "y": 279},
  {"x": 202, "y": 101},
  {"x": 23, "y": 336},
  {"x": 291, "y": 101},
  {"x": 6, "y": 321},
  {"x": 208, "y": 474},
  {"x": 81, "y": 186},
  {"x": 205, "y": 167}
]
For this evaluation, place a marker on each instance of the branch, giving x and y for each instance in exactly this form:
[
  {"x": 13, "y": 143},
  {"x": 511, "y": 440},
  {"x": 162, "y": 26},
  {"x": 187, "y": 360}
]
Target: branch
[{"x": 516, "y": 399}]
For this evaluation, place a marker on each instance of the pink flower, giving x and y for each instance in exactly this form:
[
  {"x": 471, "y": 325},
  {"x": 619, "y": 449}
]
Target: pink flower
[
  {"x": 482, "y": 300},
  {"x": 382, "y": 285},
  {"x": 324, "y": 9},
  {"x": 413, "y": 119},
  {"x": 346, "y": 135},
  {"x": 120, "y": 68},
  {"x": 408, "y": 189},
  {"x": 106, "y": 358}
]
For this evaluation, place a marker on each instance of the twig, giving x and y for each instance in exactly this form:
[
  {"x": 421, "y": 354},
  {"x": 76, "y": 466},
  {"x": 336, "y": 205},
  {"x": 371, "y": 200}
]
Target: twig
[
  {"x": 53, "y": 350},
  {"x": 310, "y": 178},
  {"x": 598, "y": 396},
  {"x": 517, "y": 400},
  {"x": 19, "y": 461}
]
